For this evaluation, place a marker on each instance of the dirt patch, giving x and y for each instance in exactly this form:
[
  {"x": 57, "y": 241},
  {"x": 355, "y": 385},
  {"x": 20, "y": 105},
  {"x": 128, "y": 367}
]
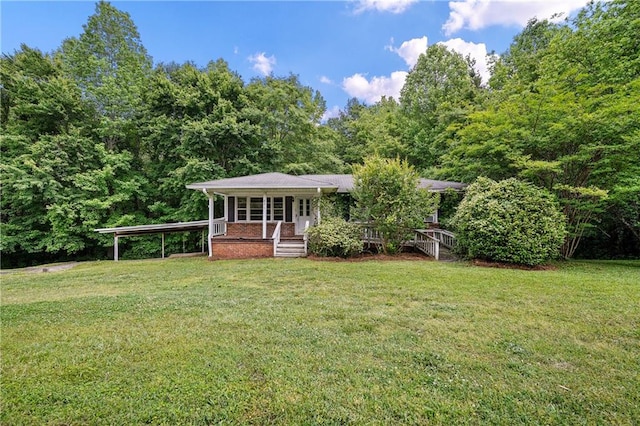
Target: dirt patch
[
  {"x": 43, "y": 268},
  {"x": 364, "y": 257},
  {"x": 501, "y": 265}
]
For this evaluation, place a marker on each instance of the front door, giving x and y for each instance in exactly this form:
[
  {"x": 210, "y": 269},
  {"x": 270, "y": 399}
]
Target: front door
[{"x": 304, "y": 213}]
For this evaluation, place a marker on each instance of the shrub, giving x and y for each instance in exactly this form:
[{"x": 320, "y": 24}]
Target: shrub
[
  {"x": 388, "y": 197},
  {"x": 509, "y": 221},
  {"x": 335, "y": 237}
]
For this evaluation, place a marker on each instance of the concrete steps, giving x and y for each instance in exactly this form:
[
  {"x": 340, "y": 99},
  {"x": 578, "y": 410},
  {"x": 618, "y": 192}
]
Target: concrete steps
[{"x": 290, "y": 248}]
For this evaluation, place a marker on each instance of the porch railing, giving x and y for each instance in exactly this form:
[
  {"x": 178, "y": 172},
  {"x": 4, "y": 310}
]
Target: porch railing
[
  {"x": 426, "y": 243},
  {"x": 446, "y": 238},
  {"x": 219, "y": 227},
  {"x": 276, "y": 237}
]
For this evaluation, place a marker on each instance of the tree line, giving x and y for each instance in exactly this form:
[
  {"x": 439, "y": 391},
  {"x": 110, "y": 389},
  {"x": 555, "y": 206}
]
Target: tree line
[{"x": 94, "y": 134}]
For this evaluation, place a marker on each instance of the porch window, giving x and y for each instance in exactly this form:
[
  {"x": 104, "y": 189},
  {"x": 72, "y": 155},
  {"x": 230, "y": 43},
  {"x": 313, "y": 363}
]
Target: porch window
[
  {"x": 278, "y": 208},
  {"x": 242, "y": 209},
  {"x": 250, "y": 209},
  {"x": 255, "y": 208}
]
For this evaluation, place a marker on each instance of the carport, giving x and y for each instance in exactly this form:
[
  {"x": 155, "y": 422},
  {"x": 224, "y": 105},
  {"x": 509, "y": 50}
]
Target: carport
[{"x": 160, "y": 228}]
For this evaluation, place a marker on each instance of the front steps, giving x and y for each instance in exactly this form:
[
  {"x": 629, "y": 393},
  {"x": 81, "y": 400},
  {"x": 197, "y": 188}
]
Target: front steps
[{"x": 290, "y": 248}]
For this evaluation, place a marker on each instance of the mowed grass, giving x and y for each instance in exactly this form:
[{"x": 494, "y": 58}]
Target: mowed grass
[{"x": 281, "y": 341}]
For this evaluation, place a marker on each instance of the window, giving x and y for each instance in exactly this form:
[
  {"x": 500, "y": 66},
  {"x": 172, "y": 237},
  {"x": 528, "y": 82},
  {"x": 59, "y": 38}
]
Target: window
[
  {"x": 242, "y": 209},
  {"x": 250, "y": 209},
  {"x": 255, "y": 208},
  {"x": 278, "y": 208},
  {"x": 304, "y": 208}
]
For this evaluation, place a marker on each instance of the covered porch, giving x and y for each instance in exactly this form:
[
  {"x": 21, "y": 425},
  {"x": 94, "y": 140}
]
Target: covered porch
[{"x": 263, "y": 215}]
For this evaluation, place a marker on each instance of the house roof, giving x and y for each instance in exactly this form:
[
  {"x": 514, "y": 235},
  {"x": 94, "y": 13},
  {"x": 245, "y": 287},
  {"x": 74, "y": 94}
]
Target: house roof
[
  {"x": 345, "y": 183},
  {"x": 264, "y": 181},
  {"x": 327, "y": 183}
]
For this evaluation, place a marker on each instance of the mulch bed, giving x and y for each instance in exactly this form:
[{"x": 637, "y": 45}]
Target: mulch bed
[
  {"x": 364, "y": 257},
  {"x": 500, "y": 265}
]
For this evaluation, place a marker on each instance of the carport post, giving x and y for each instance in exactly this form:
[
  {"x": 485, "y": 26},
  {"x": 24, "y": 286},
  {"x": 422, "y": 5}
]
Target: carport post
[{"x": 115, "y": 247}]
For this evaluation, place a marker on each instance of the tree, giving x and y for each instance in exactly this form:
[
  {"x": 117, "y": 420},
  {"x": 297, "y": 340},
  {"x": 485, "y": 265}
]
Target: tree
[
  {"x": 388, "y": 197},
  {"x": 111, "y": 67},
  {"x": 289, "y": 119},
  {"x": 571, "y": 127},
  {"x": 508, "y": 221},
  {"x": 439, "y": 91}
]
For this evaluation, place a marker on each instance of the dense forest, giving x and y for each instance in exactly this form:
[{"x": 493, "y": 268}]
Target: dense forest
[{"x": 95, "y": 134}]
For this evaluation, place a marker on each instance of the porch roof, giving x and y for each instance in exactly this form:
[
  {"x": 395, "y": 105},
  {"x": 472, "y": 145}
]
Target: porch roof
[
  {"x": 327, "y": 183},
  {"x": 265, "y": 181}
]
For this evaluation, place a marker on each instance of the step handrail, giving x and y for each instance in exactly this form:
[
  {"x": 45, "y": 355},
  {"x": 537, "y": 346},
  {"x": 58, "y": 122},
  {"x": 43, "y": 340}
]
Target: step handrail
[
  {"x": 427, "y": 243},
  {"x": 276, "y": 237},
  {"x": 306, "y": 237}
]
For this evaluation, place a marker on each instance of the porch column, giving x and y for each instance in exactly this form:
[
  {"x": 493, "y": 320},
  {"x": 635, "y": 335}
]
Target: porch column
[
  {"x": 115, "y": 247},
  {"x": 318, "y": 209},
  {"x": 211, "y": 214},
  {"x": 264, "y": 216}
]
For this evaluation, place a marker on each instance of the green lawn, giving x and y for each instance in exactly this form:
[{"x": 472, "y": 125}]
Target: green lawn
[{"x": 280, "y": 341}]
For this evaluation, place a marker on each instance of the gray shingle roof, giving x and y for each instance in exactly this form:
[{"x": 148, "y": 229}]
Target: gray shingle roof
[
  {"x": 263, "y": 181},
  {"x": 345, "y": 183},
  {"x": 341, "y": 183}
]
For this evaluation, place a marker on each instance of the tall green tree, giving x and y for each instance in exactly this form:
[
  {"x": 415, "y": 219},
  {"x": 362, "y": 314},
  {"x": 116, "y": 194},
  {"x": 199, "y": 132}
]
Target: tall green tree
[
  {"x": 58, "y": 183},
  {"x": 290, "y": 115},
  {"x": 197, "y": 125},
  {"x": 571, "y": 128},
  {"x": 388, "y": 197},
  {"x": 111, "y": 67},
  {"x": 438, "y": 92}
]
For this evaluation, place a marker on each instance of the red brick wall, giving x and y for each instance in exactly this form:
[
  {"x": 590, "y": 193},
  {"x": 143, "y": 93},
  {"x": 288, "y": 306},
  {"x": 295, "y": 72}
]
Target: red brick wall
[
  {"x": 254, "y": 230},
  {"x": 239, "y": 249}
]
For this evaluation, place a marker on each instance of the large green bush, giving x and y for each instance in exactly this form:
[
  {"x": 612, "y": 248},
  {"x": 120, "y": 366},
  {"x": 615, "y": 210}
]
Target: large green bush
[
  {"x": 335, "y": 237},
  {"x": 509, "y": 221}
]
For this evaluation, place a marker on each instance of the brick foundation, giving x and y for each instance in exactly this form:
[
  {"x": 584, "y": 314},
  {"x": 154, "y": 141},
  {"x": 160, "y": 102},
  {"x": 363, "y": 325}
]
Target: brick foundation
[
  {"x": 254, "y": 229},
  {"x": 244, "y": 240},
  {"x": 225, "y": 248}
]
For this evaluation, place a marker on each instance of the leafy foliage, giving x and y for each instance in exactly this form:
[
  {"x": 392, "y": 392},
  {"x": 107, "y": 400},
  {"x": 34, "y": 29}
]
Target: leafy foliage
[
  {"x": 388, "y": 197},
  {"x": 93, "y": 136},
  {"x": 335, "y": 237},
  {"x": 509, "y": 221}
]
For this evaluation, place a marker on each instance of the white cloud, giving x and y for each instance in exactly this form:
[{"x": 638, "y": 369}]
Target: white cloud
[
  {"x": 410, "y": 50},
  {"x": 325, "y": 80},
  {"x": 372, "y": 91},
  {"x": 392, "y": 6},
  {"x": 478, "y": 14},
  {"x": 476, "y": 51},
  {"x": 262, "y": 63},
  {"x": 333, "y": 112}
]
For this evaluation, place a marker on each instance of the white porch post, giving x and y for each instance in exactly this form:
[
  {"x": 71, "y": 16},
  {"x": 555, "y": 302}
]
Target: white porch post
[
  {"x": 211, "y": 215},
  {"x": 264, "y": 216},
  {"x": 115, "y": 247},
  {"x": 163, "y": 245},
  {"x": 318, "y": 209}
]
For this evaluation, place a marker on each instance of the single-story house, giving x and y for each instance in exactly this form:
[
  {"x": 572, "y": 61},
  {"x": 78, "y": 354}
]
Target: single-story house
[{"x": 267, "y": 214}]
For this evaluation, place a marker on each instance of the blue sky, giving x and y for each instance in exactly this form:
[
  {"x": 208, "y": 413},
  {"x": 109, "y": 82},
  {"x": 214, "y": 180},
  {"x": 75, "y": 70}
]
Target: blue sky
[{"x": 360, "y": 49}]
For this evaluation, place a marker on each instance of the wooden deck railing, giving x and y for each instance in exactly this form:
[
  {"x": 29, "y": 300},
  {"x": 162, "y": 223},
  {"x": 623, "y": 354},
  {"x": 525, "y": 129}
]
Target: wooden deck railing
[
  {"x": 427, "y": 244},
  {"x": 426, "y": 240},
  {"x": 446, "y": 238}
]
